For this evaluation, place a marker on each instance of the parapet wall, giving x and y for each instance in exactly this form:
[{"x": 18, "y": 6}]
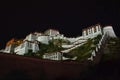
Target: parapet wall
[{"x": 109, "y": 31}]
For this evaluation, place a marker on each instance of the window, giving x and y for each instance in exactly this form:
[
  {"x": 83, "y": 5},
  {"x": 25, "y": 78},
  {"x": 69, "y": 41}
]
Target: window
[
  {"x": 98, "y": 28},
  {"x": 89, "y": 31},
  {"x": 86, "y": 32},
  {"x": 94, "y": 29},
  {"x": 29, "y": 45}
]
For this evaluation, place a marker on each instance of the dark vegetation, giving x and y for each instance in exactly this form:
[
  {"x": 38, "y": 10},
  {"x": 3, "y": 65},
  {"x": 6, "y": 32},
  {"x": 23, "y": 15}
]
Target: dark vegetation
[
  {"x": 84, "y": 51},
  {"x": 53, "y": 46}
]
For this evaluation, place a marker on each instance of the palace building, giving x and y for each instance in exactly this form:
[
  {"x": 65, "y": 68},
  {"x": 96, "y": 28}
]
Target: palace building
[{"x": 31, "y": 41}]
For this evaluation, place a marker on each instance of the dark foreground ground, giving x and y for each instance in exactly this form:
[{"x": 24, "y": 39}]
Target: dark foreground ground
[{"x": 14, "y": 67}]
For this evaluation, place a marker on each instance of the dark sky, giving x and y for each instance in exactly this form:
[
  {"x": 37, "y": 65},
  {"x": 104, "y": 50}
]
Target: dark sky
[{"x": 17, "y": 19}]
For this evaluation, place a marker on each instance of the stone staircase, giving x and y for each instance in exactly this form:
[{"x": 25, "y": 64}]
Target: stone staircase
[
  {"x": 108, "y": 33},
  {"x": 73, "y": 47}
]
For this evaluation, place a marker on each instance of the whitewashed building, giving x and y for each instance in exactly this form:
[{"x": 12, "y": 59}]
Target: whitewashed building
[
  {"x": 26, "y": 46},
  {"x": 43, "y": 39},
  {"x": 30, "y": 37},
  {"x": 51, "y": 32},
  {"x": 109, "y": 31},
  {"x": 10, "y": 45},
  {"x": 29, "y": 43},
  {"x": 53, "y": 56},
  {"x": 92, "y": 31},
  {"x": 9, "y": 49}
]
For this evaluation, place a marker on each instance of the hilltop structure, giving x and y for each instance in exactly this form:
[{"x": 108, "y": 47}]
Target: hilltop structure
[
  {"x": 12, "y": 44},
  {"x": 92, "y": 31},
  {"x": 31, "y": 42}
]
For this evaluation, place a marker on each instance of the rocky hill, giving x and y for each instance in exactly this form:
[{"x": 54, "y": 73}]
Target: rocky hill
[
  {"x": 109, "y": 66},
  {"x": 15, "y": 67}
]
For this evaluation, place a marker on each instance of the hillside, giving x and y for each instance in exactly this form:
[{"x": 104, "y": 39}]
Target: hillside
[
  {"x": 109, "y": 66},
  {"x": 15, "y": 67}
]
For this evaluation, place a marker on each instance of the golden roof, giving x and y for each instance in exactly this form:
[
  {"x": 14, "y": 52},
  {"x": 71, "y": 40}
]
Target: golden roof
[{"x": 14, "y": 41}]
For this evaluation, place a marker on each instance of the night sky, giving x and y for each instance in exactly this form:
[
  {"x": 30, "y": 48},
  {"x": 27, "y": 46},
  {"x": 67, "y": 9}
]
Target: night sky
[{"x": 18, "y": 19}]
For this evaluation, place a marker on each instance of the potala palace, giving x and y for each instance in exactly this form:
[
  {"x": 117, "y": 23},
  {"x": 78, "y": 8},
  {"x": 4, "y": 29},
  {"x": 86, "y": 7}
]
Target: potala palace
[{"x": 32, "y": 41}]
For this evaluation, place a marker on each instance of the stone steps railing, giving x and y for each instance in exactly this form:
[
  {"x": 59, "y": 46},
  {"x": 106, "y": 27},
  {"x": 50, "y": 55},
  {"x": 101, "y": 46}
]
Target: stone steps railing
[
  {"x": 73, "y": 47},
  {"x": 99, "y": 46}
]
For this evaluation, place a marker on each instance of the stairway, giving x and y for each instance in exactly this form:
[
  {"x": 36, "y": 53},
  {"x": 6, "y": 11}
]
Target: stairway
[
  {"x": 73, "y": 47},
  {"x": 108, "y": 33}
]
